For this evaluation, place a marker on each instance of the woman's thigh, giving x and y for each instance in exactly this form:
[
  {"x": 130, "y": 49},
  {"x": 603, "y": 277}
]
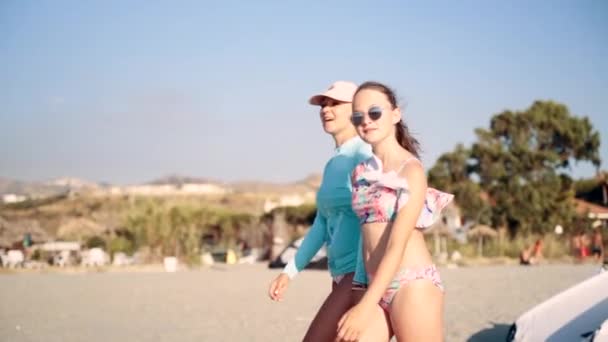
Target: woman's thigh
[
  {"x": 379, "y": 328},
  {"x": 325, "y": 324},
  {"x": 416, "y": 312}
]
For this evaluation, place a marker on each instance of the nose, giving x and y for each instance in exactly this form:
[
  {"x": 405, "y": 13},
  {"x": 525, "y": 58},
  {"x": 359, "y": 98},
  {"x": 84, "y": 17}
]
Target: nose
[{"x": 366, "y": 120}]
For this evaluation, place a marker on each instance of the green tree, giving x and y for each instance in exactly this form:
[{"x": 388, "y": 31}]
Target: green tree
[
  {"x": 521, "y": 162},
  {"x": 451, "y": 173}
]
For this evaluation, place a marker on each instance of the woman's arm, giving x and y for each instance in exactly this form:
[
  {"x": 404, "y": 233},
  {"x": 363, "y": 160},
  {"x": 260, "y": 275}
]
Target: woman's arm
[{"x": 313, "y": 241}]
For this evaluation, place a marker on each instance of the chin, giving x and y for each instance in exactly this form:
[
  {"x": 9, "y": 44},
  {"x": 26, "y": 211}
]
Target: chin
[
  {"x": 330, "y": 128},
  {"x": 371, "y": 137}
]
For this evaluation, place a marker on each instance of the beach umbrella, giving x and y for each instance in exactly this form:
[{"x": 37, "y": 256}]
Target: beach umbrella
[{"x": 480, "y": 231}]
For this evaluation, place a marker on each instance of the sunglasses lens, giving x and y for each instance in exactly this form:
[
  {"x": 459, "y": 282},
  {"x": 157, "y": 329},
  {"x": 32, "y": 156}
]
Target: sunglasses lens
[
  {"x": 357, "y": 119},
  {"x": 375, "y": 113}
]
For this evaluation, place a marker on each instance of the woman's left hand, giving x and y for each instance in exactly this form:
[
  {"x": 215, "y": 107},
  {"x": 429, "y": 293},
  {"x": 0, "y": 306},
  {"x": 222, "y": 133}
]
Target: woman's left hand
[{"x": 353, "y": 323}]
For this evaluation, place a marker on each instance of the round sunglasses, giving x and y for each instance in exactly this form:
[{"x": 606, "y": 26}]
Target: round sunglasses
[{"x": 374, "y": 114}]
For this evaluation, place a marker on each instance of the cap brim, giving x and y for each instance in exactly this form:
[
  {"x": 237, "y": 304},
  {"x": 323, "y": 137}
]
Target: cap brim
[{"x": 317, "y": 99}]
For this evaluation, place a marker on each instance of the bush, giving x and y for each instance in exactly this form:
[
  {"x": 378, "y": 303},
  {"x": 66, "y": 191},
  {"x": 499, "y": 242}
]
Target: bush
[
  {"x": 37, "y": 255},
  {"x": 95, "y": 241},
  {"x": 122, "y": 244}
]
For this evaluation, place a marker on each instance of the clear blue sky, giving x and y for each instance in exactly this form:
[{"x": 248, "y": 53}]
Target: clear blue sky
[{"x": 127, "y": 91}]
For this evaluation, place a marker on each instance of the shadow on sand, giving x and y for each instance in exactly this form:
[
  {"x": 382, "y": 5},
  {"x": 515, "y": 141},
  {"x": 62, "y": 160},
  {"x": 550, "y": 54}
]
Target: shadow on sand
[{"x": 498, "y": 332}]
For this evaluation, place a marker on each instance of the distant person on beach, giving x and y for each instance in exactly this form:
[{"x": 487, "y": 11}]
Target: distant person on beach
[
  {"x": 335, "y": 224},
  {"x": 576, "y": 244},
  {"x": 524, "y": 257},
  {"x": 585, "y": 244},
  {"x": 532, "y": 255},
  {"x": 580, "y": 245},
  {"x": 394, "y": 205},
  {"x": 537, "y": 251},
  {"x": 597, "y": 245}
]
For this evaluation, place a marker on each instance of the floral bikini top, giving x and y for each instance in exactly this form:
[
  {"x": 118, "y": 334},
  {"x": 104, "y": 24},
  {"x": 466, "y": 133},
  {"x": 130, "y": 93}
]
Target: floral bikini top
[{"x": 377, "y": 196}]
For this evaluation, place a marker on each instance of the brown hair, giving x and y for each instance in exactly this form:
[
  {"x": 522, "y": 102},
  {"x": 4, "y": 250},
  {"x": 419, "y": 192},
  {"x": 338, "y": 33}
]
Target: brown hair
[{"x": 402, "y": 133}]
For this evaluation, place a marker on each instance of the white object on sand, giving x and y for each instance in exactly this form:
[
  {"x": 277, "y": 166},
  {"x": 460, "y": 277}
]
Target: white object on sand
[
  {"x": 170, "y": 264},
  {"x": 567, "y": 316},
  {"x": 207, "y": 259},
  {"x": 13, "y": 258},
  {"x": 456, "y": 256},
  {"x": 559, "y": 230},
  {"x": 94, "y": 257},
  {"x": 121, "y": 259}
]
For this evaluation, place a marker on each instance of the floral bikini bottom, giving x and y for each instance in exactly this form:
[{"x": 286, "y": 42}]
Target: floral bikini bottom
[{"x": 404, "y": 277}]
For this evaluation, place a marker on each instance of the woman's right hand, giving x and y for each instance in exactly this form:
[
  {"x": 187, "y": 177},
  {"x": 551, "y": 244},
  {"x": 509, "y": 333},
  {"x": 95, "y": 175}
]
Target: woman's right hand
[{"x": 278, "y": 287}]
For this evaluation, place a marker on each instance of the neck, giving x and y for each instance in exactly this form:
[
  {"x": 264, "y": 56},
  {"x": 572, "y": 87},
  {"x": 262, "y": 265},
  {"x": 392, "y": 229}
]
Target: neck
[
  {"x": 387, "y": 150},
  {"x": 342, "y": 137}
]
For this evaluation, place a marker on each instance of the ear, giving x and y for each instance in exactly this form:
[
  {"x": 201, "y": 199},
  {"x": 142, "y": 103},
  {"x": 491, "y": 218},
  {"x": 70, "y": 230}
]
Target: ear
[{"x": 396, "y": 115}]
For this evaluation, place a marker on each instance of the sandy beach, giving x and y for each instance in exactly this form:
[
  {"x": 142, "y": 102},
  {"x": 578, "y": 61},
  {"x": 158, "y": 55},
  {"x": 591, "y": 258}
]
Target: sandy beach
[{"x": 229, "y": 303}]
